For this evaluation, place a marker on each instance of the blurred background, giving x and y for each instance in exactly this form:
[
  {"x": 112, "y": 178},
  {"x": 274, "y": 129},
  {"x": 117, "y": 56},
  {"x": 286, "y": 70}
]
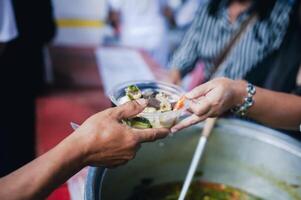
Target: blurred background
[{"x": 69, "y": 53}]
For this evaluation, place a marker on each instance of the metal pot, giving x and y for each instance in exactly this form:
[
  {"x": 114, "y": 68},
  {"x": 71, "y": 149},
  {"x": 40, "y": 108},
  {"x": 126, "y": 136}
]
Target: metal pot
[{"x": 241, "y": 154}]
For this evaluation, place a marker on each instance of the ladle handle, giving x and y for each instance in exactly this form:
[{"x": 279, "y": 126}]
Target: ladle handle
[
  {"x": 207, "y": 129},
  {"x": 208, "y": 126}
]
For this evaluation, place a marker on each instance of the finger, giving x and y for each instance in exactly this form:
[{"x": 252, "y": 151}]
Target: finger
[
  {"x": 198, "y": 91},
  {"x": 193, "y": 119},
  {"x": 152, "y": 134},
  {"x": 200, "y": 107},
  {"x": 130, "y": 109},
  {"x": 188, "y": 111}
]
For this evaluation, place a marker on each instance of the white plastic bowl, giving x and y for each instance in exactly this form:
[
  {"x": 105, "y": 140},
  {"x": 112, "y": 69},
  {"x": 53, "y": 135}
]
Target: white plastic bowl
[{"x": 157, "y": 120}]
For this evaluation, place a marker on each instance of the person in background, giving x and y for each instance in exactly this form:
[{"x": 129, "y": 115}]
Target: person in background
[
  {"x": 271, "y": 72},
  {"x": 142, "y": 25},
  {"x": 8, "y": 28},
  {"x": 102, "y": 140},
  {"x": 214, "y": 26},
  {"x": 181, "y": 18},
  {"x": 187, "y": 12},
  {"x": 8, "y": 32},
  {"x": 212, "y": 99},
  {"x": 22, "y": 64}
]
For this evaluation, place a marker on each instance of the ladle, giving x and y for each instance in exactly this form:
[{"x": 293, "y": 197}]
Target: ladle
[{"x": 209, "y": 125}]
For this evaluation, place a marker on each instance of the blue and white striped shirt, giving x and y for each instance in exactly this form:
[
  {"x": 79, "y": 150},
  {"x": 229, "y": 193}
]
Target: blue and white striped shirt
[{"x": 208, "y": 36}]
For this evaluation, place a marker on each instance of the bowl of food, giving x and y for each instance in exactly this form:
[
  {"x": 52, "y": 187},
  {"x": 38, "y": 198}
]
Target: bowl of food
[{"x": 165, "y": 102}]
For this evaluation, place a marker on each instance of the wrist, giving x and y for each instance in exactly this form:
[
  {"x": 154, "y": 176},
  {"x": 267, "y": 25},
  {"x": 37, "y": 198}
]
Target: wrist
[
  {"x": 239, "y": 92},
  {"x": 248, "y": 102},
  {"x": 75, "y": 149}
]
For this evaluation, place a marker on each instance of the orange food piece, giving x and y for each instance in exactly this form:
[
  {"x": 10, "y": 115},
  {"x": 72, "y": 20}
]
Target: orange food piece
[{"x": 180, "y": 104}]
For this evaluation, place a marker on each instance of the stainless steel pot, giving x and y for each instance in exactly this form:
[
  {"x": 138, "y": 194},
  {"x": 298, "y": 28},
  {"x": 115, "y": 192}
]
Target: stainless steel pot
[{"x": 244, "y": 155}]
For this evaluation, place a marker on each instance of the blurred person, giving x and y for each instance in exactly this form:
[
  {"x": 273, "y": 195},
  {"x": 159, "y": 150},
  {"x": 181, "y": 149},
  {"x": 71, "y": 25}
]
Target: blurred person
[
  {"x": 8, "y": 29},
  {"x": 180, "y": 20},
  {"x": 271, "y": 74},
  {"x": 8, "y": 32},
  {"x": 22, "y": 73},
  {"x": 81, "y": 23},
  {"x": 102, "y": 140},
  {"x": 215, "y": 26},
  {"x": 212, "y": 99},
  {"x": 186, "y": 13},
  {"x": 142, "y": 25}
]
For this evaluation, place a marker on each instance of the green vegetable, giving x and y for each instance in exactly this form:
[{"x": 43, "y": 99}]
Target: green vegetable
[
  {"x": 133, "y": 92},
  {"x": 139, "y": 122}
]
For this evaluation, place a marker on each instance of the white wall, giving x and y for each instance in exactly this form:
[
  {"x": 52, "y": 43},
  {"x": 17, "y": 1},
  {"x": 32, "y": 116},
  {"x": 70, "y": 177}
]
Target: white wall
[{"x": 81, "y": 13}]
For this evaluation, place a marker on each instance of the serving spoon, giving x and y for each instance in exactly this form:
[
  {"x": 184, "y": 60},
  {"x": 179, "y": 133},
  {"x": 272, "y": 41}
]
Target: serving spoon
[{"x": 209, "y": 125}]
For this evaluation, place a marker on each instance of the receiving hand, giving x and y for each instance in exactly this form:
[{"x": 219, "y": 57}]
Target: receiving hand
[
  {"x": 212, "y": 99},
  {"x": 108, "y": 142}
]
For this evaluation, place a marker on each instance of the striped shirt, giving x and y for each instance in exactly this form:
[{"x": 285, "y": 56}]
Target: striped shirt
[{"x": 208, "y": 36}]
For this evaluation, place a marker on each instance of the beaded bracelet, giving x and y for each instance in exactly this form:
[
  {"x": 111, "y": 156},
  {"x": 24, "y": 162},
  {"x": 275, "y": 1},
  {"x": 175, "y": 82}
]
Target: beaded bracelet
[{"x": 248, "y": 101}]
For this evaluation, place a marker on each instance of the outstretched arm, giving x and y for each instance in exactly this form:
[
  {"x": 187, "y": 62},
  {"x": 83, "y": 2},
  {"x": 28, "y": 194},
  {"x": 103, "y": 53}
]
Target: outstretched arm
[
  {"x": 279, "y": 110},
  {"x": 101, "y": 141},
  {"x": 215, "y": 97}
]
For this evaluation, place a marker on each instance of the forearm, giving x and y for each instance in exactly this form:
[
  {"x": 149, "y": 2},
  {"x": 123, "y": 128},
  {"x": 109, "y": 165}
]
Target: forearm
[
  {"x": 37, "y": 179},
  {"x": 275, "y": 109}
]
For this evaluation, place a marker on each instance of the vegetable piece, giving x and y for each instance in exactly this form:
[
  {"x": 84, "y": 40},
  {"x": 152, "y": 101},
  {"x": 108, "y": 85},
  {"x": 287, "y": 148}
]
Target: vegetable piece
[
  {"x": 164, "y": 102},
  {"x": 133, "y": 92},
  {"x": 165, "y": 106},
  {"x": 155, "y": 103},
  {"x": 139, "y": 122},
  {"x": 161, "y": 96},
  {"x": 149, "y": 110},
  {"x": 149, "y": 93},
  {"x": 180, "y": 104}
]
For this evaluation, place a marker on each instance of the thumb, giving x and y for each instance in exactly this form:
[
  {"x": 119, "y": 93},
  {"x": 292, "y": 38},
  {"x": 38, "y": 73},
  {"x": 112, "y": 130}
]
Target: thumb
[
  {"x": 130, "y": 109},
  {"x": 198, "y": 91}
]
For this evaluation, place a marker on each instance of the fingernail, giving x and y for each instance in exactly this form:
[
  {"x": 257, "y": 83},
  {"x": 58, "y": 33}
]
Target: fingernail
[
  {"x": 173, "y": 130},
  {"x": 188, "y": 96},
  {"x": 142, "y": 102}
]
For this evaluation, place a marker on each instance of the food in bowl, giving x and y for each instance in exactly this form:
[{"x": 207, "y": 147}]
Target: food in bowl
[
  {"x": 197, "y": 191},
  {"x": 165, "y": 103}
]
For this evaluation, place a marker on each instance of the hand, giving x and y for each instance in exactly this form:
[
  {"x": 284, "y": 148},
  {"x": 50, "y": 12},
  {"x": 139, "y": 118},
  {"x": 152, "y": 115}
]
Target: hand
[
  {"x": 212, "y": 99},
  {"x": 175, "y": 77},
  {"x": 108, "y": 142}
]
